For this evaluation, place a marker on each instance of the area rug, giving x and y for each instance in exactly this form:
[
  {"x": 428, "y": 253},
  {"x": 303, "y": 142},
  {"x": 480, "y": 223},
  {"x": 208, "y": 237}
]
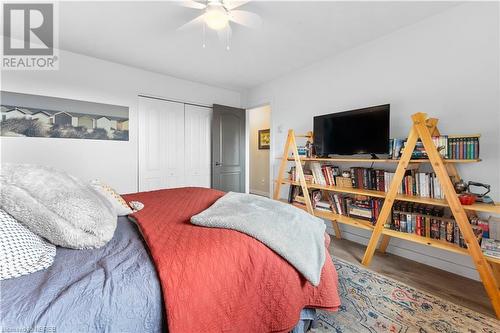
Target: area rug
[{"x": 374, "y": 303}]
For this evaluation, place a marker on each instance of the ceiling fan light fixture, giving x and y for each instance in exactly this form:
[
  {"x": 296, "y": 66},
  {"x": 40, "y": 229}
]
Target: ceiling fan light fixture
[{"x": 216, "y": 16}]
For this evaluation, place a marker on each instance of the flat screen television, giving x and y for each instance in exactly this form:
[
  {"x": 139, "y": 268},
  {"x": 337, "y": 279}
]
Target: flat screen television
[{"x": 362, "y": 131}]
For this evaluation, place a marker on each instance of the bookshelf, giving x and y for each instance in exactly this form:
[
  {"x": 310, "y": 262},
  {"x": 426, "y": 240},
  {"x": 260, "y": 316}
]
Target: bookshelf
[{"x": 422, "y": 128}]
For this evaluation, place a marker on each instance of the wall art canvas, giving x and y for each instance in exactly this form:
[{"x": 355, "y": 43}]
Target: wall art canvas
[
  {"x": 264, "y": 138},
  {"x": 24, "y": 115}
]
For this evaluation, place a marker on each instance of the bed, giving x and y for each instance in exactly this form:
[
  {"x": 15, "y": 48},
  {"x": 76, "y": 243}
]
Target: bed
[
  {"x": 111, "y": 289},
  {"x": 125, "y": 285}
]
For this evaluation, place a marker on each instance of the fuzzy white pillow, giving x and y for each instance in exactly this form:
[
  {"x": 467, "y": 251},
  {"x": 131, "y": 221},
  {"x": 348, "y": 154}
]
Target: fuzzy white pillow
[
  {"x": 108, "y": 193},
  {"x": 21, "y": 251},
  {"x": 56, "y": 206}
]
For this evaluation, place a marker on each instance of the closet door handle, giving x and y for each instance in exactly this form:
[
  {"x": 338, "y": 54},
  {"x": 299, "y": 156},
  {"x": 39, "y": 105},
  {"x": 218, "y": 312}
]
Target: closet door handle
[{"x": 218, "y": 163}]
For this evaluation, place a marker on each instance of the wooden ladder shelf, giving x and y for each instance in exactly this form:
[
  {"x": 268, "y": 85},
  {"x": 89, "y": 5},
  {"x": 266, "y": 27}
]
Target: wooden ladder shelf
[{"x": 422, "y": 128}]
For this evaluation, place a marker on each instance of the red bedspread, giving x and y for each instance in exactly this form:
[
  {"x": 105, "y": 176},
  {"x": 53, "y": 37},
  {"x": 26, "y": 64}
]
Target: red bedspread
[{"x": 217, "y": 280}]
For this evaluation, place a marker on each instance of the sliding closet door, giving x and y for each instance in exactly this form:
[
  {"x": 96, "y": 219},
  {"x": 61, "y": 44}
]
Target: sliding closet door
[
  {"x": 197, "y": 134},
  {"x": 161, "y": 144}
]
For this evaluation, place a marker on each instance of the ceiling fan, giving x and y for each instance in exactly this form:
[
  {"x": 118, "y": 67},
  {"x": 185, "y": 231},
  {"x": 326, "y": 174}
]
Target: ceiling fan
[{"x": 218, "y": 15}]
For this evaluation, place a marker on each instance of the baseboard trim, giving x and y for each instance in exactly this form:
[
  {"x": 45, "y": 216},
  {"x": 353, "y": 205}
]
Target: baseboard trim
[{"x": 258, "y": 192}]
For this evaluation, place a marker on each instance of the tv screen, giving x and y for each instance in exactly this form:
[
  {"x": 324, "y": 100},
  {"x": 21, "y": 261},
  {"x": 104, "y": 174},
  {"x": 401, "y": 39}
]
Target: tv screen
[{"x": 362, "y": 131}]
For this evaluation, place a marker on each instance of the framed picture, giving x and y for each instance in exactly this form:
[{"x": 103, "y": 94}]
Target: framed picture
[
  {"x": 25, "y": 115},
  {"x": 264, "y": 138}
]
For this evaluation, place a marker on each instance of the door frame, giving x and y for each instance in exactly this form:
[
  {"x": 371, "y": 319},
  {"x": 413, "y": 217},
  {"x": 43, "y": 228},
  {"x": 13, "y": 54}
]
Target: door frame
[{"x": 265, "y": 102}]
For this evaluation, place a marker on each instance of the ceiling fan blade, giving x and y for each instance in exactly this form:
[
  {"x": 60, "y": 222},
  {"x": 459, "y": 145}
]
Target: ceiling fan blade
[
  {"x": 234, "y": 4},
  {"x": 245, "y": 18},
  {"x": 193, "y": 4},
  {"x": 194, "y": 22}
]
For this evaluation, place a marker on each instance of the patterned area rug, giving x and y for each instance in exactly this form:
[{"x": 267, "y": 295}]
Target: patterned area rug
[{"x": 374, "y": 303}]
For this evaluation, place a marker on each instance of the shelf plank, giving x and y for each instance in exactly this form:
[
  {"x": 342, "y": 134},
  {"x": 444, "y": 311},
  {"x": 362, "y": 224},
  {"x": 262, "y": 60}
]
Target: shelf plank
[
  {"x": 368, "y": 160},
  {"x": 436, "y": 243},
  {"x": 478, "y": 207},
  {"x": 425, "y": 241}
]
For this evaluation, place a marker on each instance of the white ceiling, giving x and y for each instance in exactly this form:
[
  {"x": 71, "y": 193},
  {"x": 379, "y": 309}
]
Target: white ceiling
[{"x": 292, "y": 35}]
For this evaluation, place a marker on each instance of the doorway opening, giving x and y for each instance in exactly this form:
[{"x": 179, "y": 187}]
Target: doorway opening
[{"x": 259, "y": 125}]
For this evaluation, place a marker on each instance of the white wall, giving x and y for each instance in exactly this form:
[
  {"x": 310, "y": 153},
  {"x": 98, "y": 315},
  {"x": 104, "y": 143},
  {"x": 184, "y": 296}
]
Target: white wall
[
  {"x": 89, "y": 79},
  {"x": 446, "y": 65},
  {"x": 258, "y": 118}
]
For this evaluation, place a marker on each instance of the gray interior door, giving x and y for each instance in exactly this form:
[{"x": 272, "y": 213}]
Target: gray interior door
[{"x": 228, "y": 149}]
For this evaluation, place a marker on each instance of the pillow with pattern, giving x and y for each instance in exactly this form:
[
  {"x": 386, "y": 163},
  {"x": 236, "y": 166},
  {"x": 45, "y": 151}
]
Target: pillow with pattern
[
  {"x": 108, "y": 193},
  {"x": 21, "y": 251}
]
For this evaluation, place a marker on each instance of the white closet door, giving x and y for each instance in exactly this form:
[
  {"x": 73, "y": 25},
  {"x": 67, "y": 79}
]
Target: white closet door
[
  {"x": 161, "y": 144},
  {"x": 197, "y": 138}
]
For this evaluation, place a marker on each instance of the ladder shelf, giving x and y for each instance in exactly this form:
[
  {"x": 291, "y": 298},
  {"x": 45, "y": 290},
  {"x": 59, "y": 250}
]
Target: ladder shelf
[{"x": 422, "y": 128}]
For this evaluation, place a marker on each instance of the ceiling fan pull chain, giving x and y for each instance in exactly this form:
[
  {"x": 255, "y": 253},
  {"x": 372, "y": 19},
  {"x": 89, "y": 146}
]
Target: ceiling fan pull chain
[{"x": 204, "y": 35}]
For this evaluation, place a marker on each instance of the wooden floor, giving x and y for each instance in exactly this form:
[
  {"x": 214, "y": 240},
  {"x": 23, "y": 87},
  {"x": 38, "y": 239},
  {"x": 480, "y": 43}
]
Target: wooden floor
[{"x": 451, "y": 287}]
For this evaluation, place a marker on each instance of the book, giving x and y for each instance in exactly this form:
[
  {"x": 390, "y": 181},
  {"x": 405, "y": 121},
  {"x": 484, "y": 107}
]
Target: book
[{"x": 490, "y": 245}]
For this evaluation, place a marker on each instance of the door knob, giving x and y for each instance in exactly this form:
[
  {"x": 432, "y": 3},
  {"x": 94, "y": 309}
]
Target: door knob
[{"x": 218, "y": 163}]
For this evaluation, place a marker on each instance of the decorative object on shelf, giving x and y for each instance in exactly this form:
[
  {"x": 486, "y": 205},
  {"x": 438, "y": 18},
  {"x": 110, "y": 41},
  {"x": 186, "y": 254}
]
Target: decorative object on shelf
[
  {"x": 346, "y": 174},
  {"x": 24, "y": 115},
  {"x": 309, "y": 147},
  {"x": 467, "y": 199},
  {"x": 480, "y": 196},
  {"x": 344, "y": 182},
  {"x": 461, "y": 187},
  {"x": 264, "y": 138},
  {"x": 302, "y": 151},
  {"x": 457, "y": 233}
]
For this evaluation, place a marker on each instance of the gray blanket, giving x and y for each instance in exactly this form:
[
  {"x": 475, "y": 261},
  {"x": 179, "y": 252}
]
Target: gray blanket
[{"x": 295, "y": 235}]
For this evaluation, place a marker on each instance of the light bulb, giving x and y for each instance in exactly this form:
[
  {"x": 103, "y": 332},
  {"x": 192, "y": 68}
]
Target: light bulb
[{"x": 216, "y": 16}]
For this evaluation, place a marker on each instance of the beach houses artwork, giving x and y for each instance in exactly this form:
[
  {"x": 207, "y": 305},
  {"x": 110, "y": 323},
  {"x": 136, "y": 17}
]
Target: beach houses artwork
[{"x": 61, "y": 118}]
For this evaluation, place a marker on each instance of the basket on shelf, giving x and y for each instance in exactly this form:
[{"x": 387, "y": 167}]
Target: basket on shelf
[{"x": 343, "y": 182}]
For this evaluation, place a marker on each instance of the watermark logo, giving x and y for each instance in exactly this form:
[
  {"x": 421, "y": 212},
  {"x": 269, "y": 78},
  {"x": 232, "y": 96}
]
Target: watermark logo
[{"x": 29, "y": 36}]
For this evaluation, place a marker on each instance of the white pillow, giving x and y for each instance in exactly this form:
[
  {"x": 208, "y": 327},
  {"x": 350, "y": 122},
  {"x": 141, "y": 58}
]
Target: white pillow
[
  {"x": 108, "y": 193},
  {"x": 21, "y": 251},
  {"x": 56, "y": 206}
]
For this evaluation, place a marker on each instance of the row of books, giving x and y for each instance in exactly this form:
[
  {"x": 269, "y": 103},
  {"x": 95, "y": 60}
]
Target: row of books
[
  {"x": 368, "y": 179},
  {"x": 464, "y": 148},
  {"x": 449, "y": 147},
  {"x": 307, "y": 175},
  {"x": 429, "y": 221},
  {"x": 318, "y": 174},
  {"x": 357, "y": 207},
  {"x": 422, "y": 220},
  {"x": 360, "y": 207},
  {"x": 317, "y": 171},
  {"x": 423, "y": 184}
]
